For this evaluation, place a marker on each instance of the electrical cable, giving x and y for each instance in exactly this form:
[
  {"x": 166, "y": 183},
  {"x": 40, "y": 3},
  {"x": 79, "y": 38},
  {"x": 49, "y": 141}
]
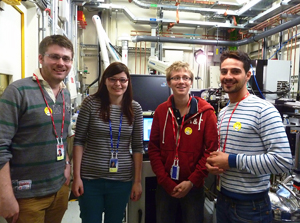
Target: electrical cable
[
  {"x": 253, "y": 74},
  {"x": 249, "y": 85},
  {"x": 115, "y": 49},
  {"x": 284, "y": 44}
]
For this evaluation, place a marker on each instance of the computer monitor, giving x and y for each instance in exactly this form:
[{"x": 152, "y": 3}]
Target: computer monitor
[
  {"x": 147, "y": 123},
  {"x": 149, "y": 90}
]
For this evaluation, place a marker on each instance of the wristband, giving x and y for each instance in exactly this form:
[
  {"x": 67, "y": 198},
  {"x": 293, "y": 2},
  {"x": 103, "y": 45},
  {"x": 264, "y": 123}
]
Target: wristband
[{"x": 68, "y": 163}]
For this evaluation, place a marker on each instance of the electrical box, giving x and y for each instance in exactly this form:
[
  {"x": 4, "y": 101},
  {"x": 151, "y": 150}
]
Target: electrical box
[
  {"x": 218, "y": 50},
  {"x": 272, "y": 78},
  {"x": 64, "y": 10}
]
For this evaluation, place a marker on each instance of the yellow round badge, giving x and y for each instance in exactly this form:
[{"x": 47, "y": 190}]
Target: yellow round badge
[
  {"x": 237, "y": 126},
  {"x": 47, "y": 111},
  {"x": 188, "y": 131}
]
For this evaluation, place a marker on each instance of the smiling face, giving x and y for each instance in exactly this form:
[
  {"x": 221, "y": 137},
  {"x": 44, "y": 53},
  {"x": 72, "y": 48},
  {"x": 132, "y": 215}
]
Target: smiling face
[
  {"x": 180, "y": 82},
  {"x": 234, "y": 78},
  {"x": 55, "y": 70},
  {"x": 116, "y": 86}
]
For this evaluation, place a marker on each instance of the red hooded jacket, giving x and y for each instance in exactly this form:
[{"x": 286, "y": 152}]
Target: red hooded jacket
[{"x": 198, "y": 138}]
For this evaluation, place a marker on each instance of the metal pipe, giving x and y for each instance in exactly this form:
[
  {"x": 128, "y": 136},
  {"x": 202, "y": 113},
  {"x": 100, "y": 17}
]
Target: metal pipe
[
  {"x": 297, "y": 153},
  {"x": 287, "y": 46},
  {"x": 140, "y": 57},
  {"x": 182, "y": 8},
  {"x": 269, "y": 32},
  {"x": 145, "y": 63},
  {"x": 295, "y": 49},
  {"x": 135, "y": 55},
  {"x": 184, "y": 23},
  {"x": 273, "y": 19},
  {"x": 291, "y": 50},
  {"x": 54, "y": 12},
  {"x": 147, "y": 21}
]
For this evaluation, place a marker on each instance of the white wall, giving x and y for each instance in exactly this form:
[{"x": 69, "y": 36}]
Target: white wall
[
  {"x": 31, "y": 40},
  {"x": 10, "y": 44}
]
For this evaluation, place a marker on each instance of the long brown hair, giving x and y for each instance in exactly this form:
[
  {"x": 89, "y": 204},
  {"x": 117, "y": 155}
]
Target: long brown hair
[{"x": 103, "y": 95}]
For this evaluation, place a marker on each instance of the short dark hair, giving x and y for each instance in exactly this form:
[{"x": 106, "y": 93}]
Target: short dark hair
[
  {"x": 55, "y": 40},
  {"x": 103, "y": 95},
  {"x": 238, "y": 55}
]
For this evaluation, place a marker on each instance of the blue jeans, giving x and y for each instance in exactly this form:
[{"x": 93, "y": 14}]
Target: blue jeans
[
  {"x": 234, "y": 211},
  {"x": 191, "y": 206},
  {"x": 101, "y": 195}
]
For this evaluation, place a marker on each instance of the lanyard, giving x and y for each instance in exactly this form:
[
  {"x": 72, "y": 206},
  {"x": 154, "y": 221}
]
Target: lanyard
[
  {"x": 111, "y": 136},
  {"x": 219, "y": 140},
  {"x": 181, "y": 126},
  {"x": 64, "y": 111}
]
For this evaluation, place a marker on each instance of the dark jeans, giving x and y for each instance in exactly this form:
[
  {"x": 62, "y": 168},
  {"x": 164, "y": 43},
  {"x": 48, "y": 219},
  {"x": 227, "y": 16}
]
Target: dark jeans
[
  {"x": 191, "y": 206},
  {"x": 235, "y": 211},
  {"x": 101, "y": 195}
]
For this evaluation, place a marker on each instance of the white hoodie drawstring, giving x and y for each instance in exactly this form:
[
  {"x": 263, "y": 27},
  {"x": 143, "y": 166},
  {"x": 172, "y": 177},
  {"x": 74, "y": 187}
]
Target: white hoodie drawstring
[
  {"x": 200, "y": 120},
  {"x": 199, "y": 124},
  {"x": 163, "y": 140}
]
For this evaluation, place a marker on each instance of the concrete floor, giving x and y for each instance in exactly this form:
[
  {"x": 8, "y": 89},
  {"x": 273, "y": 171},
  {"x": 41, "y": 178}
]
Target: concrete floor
[{"x": 72, "y": 214}]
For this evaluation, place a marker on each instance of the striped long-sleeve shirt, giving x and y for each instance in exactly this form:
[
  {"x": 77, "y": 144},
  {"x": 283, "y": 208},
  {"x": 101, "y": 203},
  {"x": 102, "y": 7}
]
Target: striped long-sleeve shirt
[
  {"x": 94, "y": 135},
  {"x": 27, "y": 139},
  {"x": 257, "y": 144}
]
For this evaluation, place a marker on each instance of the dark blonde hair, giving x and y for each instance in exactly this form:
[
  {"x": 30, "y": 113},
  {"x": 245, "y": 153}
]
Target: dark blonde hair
[
  {"x": 59, "y": 40},
  {"x": 178, "y": 66},
  {"x": 103, "y": 94}
]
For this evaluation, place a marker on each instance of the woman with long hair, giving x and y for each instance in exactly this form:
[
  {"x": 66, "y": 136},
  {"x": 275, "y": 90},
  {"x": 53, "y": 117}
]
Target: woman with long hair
[{"x": 108, "y": 146}]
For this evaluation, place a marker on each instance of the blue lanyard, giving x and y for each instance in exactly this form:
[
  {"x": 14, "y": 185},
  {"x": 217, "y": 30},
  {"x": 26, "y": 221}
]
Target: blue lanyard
[{"x": 111, "y": 136}]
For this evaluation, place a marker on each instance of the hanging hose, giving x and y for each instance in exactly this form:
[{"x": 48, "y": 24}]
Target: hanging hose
[{"x": 253, "y": 74}]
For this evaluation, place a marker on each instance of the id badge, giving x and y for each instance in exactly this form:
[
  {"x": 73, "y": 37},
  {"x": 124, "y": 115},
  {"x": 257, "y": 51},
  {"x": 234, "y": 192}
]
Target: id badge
[
  {"x": 175, "y": 170},
  {"x": 60, "y": 152},
  {"x": 113, "y": 165}
]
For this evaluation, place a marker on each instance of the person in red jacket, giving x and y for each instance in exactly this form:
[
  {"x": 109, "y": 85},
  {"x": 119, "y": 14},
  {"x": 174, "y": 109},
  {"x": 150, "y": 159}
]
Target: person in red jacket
[{"x": 183, "y": 134}]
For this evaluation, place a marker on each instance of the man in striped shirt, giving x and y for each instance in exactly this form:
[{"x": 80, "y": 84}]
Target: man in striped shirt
[
  {"x": 252, "y": 145},
  {"x": 34, "y": 121}
]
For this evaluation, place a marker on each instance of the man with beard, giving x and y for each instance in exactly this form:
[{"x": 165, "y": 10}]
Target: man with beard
[{"x": 252, "y": 144}]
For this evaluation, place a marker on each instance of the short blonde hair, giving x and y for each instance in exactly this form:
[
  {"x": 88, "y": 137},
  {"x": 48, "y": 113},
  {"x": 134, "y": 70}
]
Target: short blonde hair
[{"x": 178, "y": 66}]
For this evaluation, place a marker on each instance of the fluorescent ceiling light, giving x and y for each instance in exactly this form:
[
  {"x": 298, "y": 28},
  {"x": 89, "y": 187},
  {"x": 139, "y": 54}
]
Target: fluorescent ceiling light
[
  {"x": 242, "y": 1},
  {"x": 248, "y": 6}
]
